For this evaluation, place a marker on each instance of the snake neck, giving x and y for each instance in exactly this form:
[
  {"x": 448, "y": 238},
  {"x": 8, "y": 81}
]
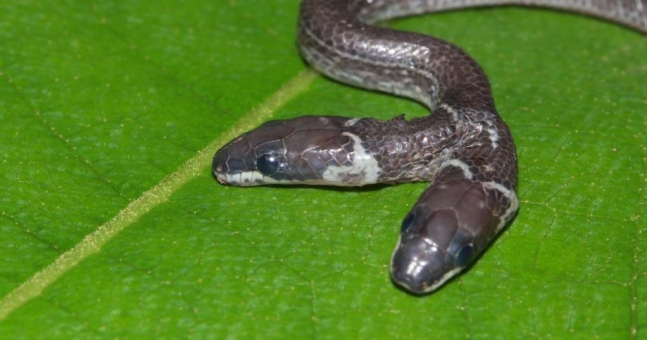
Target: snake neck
[{"x": 419, "y": 149}]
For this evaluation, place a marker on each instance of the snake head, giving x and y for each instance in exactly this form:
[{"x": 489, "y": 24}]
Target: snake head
[
  {"x": 449, "y": 227},
  {"x": 303, "y": 150},
  {"x": 428, "y": 254}
]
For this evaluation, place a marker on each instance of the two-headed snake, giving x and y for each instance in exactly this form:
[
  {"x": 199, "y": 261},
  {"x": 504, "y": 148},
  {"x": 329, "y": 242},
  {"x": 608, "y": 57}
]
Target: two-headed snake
[{"x": 464, "y": 149}]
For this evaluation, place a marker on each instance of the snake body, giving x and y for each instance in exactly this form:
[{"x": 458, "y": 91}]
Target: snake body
[{"x": 464, "y": 149}]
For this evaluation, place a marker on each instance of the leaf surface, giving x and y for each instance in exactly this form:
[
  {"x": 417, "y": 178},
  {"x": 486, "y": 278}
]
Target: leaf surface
[{"x": 113, "y": 225}]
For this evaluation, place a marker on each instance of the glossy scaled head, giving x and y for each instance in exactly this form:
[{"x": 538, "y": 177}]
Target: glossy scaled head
[
  {"x": 430, "y": 252},
  {"x": 293, "y": 151},
  {"x": 446, "y": 230}
]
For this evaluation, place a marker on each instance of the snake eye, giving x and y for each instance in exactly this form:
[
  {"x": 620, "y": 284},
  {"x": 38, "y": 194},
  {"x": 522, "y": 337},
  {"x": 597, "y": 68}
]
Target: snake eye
[
  {"x": 465, "y": 256},
  {"x": 267, "y": 164},
  {"x": 407, "y": 222}
]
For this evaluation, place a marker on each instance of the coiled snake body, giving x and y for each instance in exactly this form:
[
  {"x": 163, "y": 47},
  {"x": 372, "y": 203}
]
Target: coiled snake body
[{"x": 464, "y": 149}]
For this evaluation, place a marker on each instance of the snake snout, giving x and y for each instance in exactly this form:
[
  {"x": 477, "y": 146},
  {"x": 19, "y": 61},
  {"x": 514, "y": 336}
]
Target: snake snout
[
  {"x": 227, "y": 166},
  {"x": 219, "y": 165},
  {"x": 417, "y": 265}
]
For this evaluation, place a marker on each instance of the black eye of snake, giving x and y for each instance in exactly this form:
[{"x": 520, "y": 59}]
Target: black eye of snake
[{"x": 268, "y": 164}]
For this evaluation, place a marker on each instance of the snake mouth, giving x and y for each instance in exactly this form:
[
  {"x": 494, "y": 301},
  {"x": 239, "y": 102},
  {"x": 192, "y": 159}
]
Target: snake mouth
[
  {"x": 245, "y": 178},
  {"x": 419, "y": 280},
  {"x": 219, "y": 173},
  {"x": 230, "y": 179},
  {"x": 412, "y": 283},
  {"x": 222, "y": 178}
]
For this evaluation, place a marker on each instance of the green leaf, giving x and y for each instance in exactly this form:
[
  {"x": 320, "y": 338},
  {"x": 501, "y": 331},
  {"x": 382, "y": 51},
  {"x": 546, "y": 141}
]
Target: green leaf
[{"x": 113, "y": 226}]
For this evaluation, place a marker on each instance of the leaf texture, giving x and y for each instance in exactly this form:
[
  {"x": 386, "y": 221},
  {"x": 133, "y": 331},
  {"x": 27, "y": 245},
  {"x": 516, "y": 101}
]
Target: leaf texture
[{"x": 113, "y": 226}]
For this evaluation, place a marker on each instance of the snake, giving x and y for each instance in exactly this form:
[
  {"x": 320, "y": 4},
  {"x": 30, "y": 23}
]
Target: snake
[{"x": 464, "y": 149}]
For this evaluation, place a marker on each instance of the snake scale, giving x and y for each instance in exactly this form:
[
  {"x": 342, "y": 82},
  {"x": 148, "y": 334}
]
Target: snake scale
[{"x": 464, "y": 149}]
